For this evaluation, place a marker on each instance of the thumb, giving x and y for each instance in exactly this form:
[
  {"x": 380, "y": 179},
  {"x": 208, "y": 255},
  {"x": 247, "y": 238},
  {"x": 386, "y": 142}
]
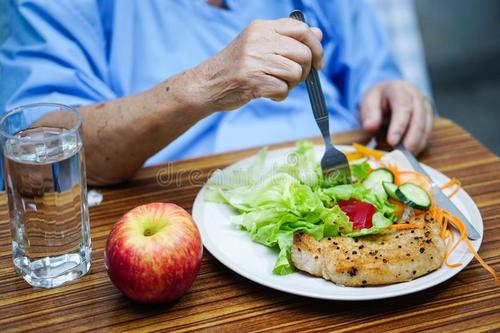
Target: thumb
[{"x": 370, "y": 112}]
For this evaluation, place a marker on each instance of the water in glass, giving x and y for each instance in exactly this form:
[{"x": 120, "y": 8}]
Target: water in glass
[{"x": 48, "y": 211}]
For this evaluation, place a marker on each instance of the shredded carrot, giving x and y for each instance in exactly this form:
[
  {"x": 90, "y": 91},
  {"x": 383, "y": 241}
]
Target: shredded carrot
[
  {"x": 353, "y": 155},
  {"x": 415, "y": 174},
  {"x": 453, "y": 182},
  {"x": 419, "y": 212},
  {"x": 399, "y": 207},
  {"x": 449, "y": 250},
  {"x": 452, "y": 194},
  {"x": 446, "y": 218},
  {"x": 405, "y": 226},
  {"x": 450, "y": 183},
  {"x": 449, "y": 240},
  {"x": 409, "y": 176},
  {"x": 440, "y": 215},
  {"x": 481, "y": 261},
  {"x": 415, "y": 178},
  {"x": 395, "y": 171},
  {"x": 368, "y": 152}
]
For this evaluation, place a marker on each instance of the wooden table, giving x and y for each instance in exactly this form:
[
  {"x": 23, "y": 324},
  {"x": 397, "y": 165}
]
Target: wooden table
[{"x": 221, "y": 300}]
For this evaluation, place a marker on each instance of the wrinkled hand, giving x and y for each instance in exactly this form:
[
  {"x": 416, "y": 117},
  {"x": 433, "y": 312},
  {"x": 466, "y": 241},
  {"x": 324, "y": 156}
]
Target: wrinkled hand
[
  {"x": 267, "y": 59},
  {"x": 411, "y": 115}
]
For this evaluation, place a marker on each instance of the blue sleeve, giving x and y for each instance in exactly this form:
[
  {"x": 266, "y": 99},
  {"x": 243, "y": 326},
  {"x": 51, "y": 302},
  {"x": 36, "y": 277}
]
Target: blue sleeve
[
  {"x": 358, "y": 51},
  {"x": 55, "y": 51}
]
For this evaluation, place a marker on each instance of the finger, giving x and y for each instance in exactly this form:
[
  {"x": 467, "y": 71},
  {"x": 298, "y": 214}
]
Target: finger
[
  {"x": 302, "y": 33},
  {"x": 273, "y": 88},
  {"x": 429, "y": 115},
  {"x": 401, "y": 105},
  {"x": 317, "y": 32},
  {"x": 319, "y": 35},
  {"x": 416, "y": 134},
  {"x": 284, "y": 69},
  {"x": 295, "y": 51},
  {"x": 370, "y": 112}
]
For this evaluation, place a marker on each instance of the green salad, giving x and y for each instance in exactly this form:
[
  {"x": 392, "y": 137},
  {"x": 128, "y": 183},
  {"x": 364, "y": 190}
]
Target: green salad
[{"x": 274, "y": 203}]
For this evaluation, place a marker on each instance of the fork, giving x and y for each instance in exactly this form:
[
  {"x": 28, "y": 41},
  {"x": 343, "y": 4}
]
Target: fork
[{"x": 333, "y": 163}]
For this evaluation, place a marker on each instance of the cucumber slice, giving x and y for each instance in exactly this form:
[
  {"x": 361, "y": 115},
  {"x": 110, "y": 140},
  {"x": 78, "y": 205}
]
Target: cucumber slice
[
  {"x": 376, "y": 178},
  {"x": 390, "y": 189},
  {"x": 414, "y": 196}
]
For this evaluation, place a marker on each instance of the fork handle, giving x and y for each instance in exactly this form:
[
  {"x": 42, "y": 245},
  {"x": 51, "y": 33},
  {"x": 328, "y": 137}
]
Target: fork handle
[
  {"x": 316, "y": 96},
  {"x": 318, "y": 105},
  {"x": 324, "y": 127}
]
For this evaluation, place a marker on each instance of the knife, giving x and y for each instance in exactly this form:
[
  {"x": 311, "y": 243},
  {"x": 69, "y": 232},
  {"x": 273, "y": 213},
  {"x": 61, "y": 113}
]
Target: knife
[{"x": 442, "y": 200}]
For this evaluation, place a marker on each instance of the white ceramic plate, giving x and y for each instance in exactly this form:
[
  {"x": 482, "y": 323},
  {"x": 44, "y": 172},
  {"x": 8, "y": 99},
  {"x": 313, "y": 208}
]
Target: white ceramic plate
[{"x": 234, "y": 248}]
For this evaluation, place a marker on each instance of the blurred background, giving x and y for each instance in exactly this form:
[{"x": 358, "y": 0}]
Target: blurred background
[
  {"x": 450, "y": 49},
  {"x": 454, "y": 56},
  {"x": 462, "y": 48}
]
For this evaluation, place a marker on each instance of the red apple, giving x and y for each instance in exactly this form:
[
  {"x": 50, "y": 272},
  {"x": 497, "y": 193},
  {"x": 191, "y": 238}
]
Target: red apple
[{"x": 153, "y": 253}]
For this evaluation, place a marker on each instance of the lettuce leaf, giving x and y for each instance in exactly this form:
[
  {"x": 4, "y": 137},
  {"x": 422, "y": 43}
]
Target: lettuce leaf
[
  {"x": 360, "y": 170},
  {"x": 272, "y": 205},
  {"x": 283, "y": 264},
  {"x": 380, "y": 224}
]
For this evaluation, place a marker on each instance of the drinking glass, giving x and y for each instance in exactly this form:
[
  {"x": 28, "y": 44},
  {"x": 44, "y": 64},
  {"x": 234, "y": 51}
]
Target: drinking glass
[{"x": 44, "y": 173}]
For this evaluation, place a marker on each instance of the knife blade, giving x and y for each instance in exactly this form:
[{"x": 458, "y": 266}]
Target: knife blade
[{"x": 442, "y": 200}]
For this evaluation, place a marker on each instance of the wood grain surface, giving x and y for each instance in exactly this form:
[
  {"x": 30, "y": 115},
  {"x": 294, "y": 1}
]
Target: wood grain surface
[{"x": 221, "y": 300}]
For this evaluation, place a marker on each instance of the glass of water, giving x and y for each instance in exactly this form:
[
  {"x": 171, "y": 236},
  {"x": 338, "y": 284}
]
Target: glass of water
[{"x": 44, "y": 171}]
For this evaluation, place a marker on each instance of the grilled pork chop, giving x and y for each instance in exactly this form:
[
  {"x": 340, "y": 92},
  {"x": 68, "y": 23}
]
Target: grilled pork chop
[{"x": 392, "y": 257}]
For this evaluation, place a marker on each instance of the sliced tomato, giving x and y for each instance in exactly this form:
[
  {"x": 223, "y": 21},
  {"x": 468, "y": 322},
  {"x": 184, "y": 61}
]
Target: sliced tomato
[{"x": 360, "y": 213}]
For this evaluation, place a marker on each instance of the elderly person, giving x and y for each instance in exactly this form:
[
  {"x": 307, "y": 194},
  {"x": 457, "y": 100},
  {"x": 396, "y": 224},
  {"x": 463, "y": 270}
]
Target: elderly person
[{"x": 152, "y": 78}]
